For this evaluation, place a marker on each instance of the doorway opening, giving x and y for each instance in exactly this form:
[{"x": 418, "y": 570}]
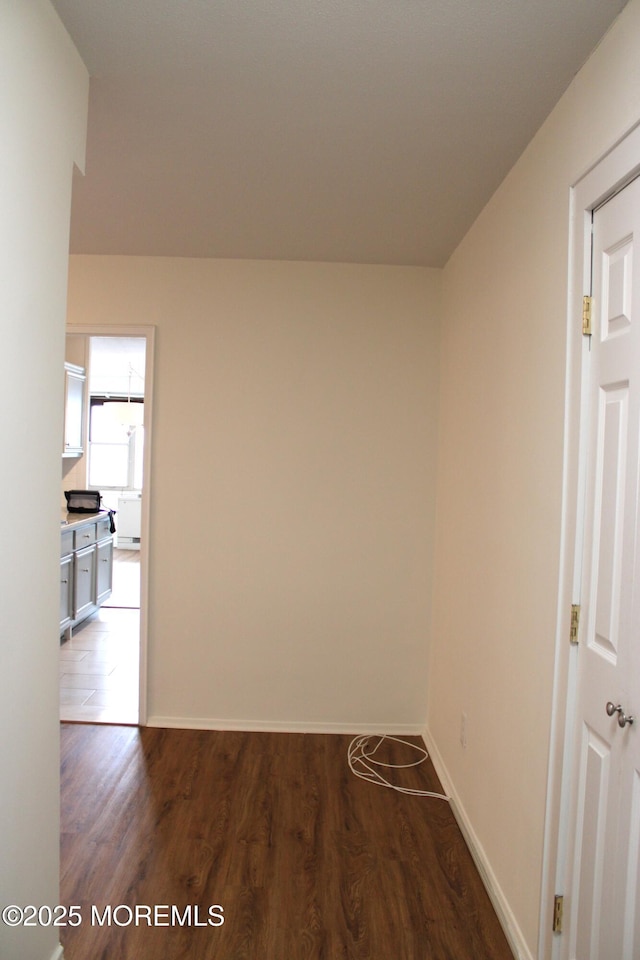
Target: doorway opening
[{"x": 103, "y": 664}]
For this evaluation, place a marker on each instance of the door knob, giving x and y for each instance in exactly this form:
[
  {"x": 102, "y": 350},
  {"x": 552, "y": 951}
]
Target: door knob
[{"x": 623, "y": 720}]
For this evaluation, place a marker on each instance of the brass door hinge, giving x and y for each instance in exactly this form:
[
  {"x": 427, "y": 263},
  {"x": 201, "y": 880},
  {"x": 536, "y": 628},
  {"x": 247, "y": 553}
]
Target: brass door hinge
[
  {"x": 575, "y": 623},
  {"x": 587, "y": 311},
  {"x": 558, "y": 907}
]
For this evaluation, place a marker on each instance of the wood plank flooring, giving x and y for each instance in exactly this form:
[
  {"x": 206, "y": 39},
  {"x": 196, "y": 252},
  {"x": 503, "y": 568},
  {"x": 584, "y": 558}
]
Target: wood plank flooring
[{"x": 307, "y": 861}]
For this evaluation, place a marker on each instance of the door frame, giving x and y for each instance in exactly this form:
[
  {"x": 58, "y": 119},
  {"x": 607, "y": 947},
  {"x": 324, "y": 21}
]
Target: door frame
[
  {"x": 146, "y": 332},
  {"x": 602, "y": 180}
]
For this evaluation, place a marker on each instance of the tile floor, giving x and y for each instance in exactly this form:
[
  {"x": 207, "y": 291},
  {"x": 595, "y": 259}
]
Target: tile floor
[{"x": 99, "y": 665}]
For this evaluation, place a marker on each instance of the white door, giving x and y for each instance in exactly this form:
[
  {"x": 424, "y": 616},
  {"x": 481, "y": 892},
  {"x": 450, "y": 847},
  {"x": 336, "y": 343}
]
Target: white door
[{"x": 601, "y": 905}]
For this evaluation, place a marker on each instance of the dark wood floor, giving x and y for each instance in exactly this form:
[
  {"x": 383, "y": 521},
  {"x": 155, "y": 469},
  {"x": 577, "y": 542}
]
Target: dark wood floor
[{"x": 307, "y": 861}]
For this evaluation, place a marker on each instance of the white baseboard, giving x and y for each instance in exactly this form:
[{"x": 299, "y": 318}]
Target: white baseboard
[
  {"x": 500, "y": 903},
  {"x": 276, "y": 726}
]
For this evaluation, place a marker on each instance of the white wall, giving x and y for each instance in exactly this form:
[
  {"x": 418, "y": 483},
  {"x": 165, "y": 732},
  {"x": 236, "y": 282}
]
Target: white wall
[
  {"x": 500, "y": 478},
  {"x": 43, "y": 101},
  {"x": 293, "y": 486}
]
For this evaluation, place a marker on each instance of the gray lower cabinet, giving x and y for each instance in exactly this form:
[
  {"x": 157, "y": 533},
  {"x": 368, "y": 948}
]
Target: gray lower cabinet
[
  {"x": 86, "y": 570},
  {"x": 104, "y": 569},
  {"x": 66, "y": 591},
  {"x": 84, "y": 576}
]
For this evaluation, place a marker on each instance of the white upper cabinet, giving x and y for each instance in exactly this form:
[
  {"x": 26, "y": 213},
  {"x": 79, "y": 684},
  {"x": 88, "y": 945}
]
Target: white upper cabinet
[{"x": 74, "y": 381}]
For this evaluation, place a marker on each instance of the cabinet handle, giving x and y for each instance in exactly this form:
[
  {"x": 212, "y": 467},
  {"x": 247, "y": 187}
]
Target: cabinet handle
[
  {"x": 64, "y": 581},
  {"x": 104, "y": 560},
  {"x": 84, "y": 570}
]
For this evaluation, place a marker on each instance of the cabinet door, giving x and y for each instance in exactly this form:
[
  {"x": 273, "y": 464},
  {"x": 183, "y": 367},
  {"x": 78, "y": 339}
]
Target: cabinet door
[
  {"x": 84, "y": 575},
  {"x": 66, "y": 592},
  {"x": 74, "y": 378},
  {"x": 104, "y": 570}
]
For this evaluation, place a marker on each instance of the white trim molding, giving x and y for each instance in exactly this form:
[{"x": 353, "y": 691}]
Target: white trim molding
[{"x": 277, "y": 726}]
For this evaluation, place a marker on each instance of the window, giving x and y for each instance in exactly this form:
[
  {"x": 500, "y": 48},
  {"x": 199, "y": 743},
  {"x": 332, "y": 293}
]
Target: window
[{"x": 115, "y": 448}]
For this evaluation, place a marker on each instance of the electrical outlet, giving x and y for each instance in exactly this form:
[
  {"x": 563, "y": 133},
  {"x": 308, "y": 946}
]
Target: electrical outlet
[{"x": 464, "y": 722}]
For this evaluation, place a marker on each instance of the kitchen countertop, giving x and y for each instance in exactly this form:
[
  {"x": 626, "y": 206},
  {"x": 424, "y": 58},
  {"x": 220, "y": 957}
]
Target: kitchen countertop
[{"x": 69, "y": 521}]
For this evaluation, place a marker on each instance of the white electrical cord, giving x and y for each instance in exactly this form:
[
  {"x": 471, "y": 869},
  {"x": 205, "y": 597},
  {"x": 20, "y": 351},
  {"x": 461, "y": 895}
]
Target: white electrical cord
[{"x": 364, "y": 766}]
